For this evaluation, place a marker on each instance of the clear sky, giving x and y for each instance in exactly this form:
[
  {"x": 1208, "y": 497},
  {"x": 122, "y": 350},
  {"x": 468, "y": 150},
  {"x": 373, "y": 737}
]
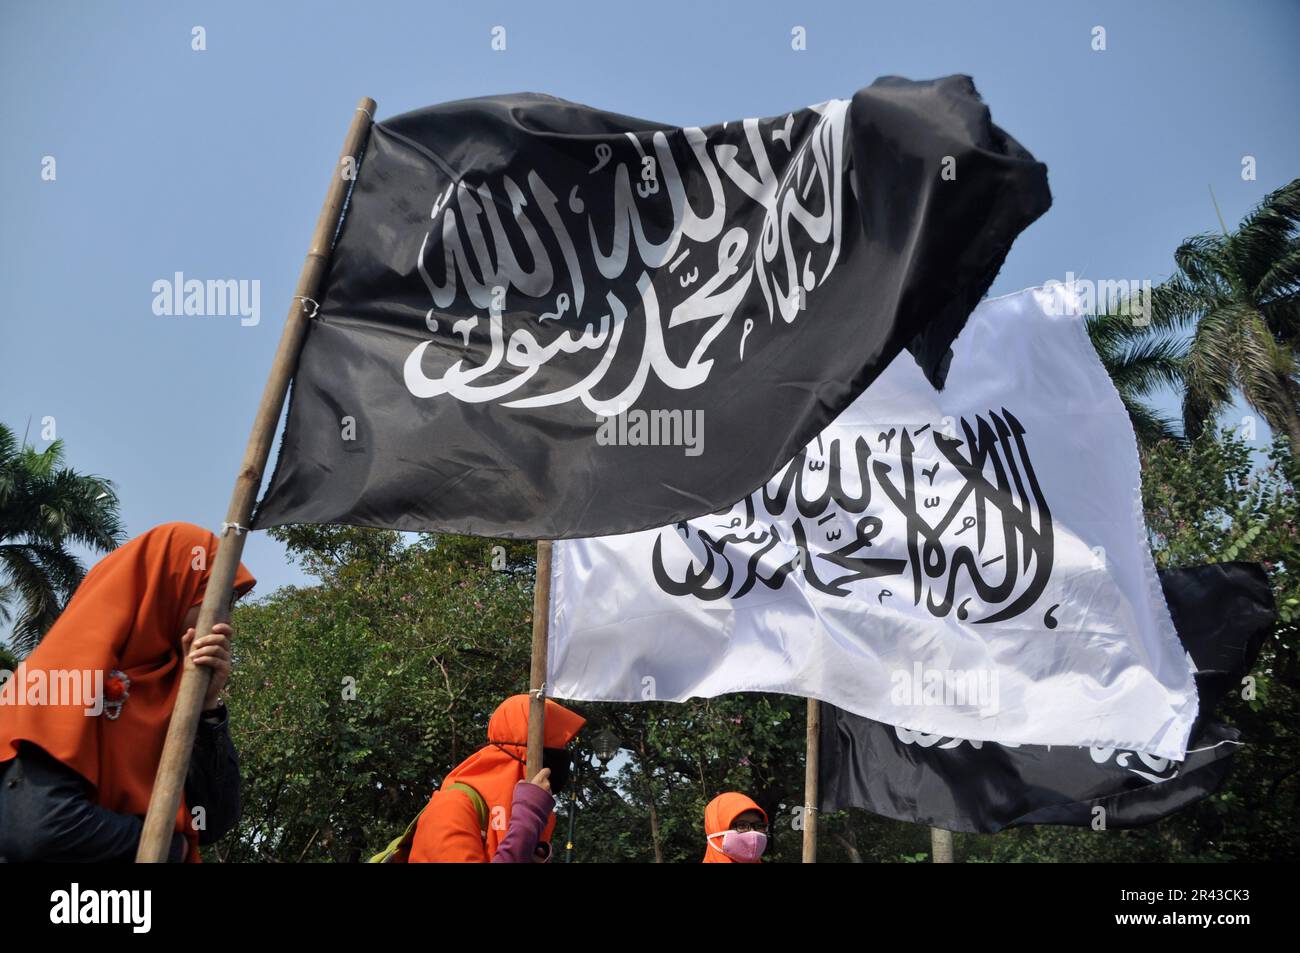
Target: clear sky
[{"x": 215, "y": 163}]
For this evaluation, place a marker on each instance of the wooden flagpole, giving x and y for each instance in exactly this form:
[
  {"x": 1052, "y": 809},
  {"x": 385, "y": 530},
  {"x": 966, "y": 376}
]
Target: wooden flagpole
[
  {"x": 169, "y": 784},
  {"x": 940, "y": 846},
  {"x": 537, "y": 667},
  {"x": 811, "y": 759}
]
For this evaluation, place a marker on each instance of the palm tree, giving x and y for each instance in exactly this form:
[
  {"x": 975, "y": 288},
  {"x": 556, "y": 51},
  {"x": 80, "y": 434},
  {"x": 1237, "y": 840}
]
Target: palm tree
[
  {"x": 44, "y": 509},
  {"x": 1139, "y": 361},
  {"x": 1239, "y": 293}
]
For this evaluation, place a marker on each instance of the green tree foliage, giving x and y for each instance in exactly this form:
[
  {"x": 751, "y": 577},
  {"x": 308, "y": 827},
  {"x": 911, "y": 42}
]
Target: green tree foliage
[
  {"x": 45, "y": 510},
  {"x": 1239, "y": 294},
  {"x": 351, "y": 699},
  {"x": 1140, "y": 362},
  {"x": 676, "y": 758}
]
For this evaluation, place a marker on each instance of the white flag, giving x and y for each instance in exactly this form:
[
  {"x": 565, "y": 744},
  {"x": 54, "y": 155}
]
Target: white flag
[{"x": 970, "y": 563}]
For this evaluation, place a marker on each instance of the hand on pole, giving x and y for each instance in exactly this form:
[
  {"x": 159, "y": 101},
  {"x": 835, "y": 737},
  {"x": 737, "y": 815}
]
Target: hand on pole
[
  {"x": 212, "y": 652},
  {"x": 543, "y": 780}
]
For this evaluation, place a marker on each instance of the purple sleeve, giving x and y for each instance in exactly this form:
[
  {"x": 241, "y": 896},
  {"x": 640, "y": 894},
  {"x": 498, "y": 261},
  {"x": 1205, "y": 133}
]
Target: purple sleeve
[{"x": 529, "y": 810}]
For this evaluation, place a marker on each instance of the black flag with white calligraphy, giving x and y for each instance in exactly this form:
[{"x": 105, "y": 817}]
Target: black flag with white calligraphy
[
  {"x": 1222, "y": 613},
  {"x": 545, "y": 320}
]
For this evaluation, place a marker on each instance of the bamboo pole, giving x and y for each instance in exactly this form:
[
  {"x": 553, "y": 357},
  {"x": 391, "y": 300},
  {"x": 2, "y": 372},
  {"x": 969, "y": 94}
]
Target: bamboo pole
[
  {"x": 537, "y": 667},
  {"x": 169, "y": 784},
  {"x": 811, "y": 760}
]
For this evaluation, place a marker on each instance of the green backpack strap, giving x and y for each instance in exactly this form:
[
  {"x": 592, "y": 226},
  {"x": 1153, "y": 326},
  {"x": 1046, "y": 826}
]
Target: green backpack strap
[
  {"x": 399, "y": 847},
  {"x": 480, "y": 805}
]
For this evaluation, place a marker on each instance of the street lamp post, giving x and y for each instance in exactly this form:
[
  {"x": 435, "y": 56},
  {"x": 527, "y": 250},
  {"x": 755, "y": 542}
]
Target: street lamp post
[{"x": 606, "y": 745}]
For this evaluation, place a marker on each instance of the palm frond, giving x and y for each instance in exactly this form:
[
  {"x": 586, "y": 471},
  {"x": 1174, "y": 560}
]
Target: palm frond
[
  {"x": 1263, "y": 370},
  {"x": 1282, "y": 317},
  {"x": 1207, "y": 262},
  {"x": 1281, "y": 278},
  {"x": 1178, "y": 303},
  {"x": 1209, "y": 370},
  {"x": 1146, "y": 365},
  {"x": 45, "y": 508},
  {"x": 39, "y": 603},
  {"x": 1266, "y": 235},
  {"x": 1151, "y": 427}
]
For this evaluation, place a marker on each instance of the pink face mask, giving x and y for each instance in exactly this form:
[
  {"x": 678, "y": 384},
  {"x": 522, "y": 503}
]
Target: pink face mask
[{"x": 743, "y": 847}]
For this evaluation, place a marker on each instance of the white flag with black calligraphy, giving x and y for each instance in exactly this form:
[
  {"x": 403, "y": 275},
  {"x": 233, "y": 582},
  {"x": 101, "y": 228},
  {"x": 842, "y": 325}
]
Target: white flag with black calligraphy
[{"x": 970, "y": 563}]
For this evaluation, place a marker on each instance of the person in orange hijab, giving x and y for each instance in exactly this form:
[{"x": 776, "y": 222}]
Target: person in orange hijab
[
  {"x": 735, "y": 830},
  {"x": 485, "y": 811},
  {"x": 76, "y": 772}
]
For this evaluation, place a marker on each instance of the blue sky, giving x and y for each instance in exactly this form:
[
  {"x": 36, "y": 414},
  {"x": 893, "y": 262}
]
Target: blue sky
[{"x": 215, "y": 163}]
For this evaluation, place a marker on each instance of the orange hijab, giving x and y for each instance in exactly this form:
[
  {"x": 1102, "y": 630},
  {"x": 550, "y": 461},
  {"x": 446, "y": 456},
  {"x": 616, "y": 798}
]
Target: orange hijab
[
  {"x": 126, "y": 615},
  {"x": 720, "y": 814},
  {"x": 494, "y": 770}
]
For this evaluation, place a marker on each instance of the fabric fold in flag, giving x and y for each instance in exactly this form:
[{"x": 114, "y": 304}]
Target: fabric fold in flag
[
  {"x": 543, "y": 320},
  {"x": 971, "y": 562},
  {"x": 1222, "y": 612}
]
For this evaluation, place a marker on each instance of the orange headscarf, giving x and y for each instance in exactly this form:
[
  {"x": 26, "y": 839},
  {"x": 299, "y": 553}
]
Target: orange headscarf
[
  {"x": 493, "y": 771},
  {"x": 719, "y": 815},
  {"x": 126, "y": 616}
]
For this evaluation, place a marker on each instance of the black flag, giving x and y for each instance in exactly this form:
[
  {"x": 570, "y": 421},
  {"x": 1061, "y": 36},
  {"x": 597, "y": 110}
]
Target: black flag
[
  {"x": 544, "y": 320},
  {"x": 1222, "y": 613}
]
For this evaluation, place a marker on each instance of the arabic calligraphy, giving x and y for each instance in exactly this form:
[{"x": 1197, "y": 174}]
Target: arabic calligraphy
[
  {"x": 963, "y": 516},
  {"x": 529, "y": 283},
  {"x": 1146, "y": 766}
]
